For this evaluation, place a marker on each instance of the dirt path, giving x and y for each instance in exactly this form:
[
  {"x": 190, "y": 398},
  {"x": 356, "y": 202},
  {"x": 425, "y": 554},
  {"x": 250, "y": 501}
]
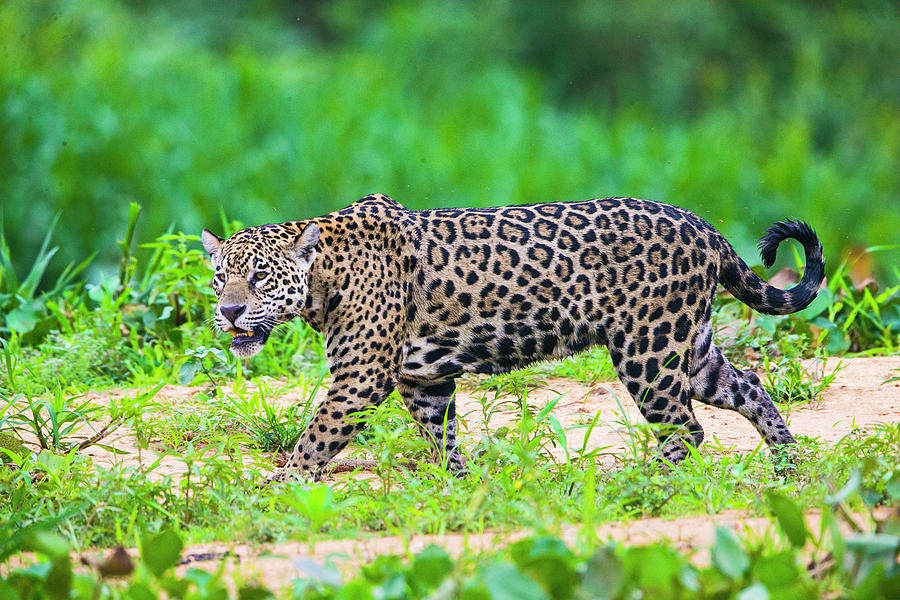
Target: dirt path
[{"x": 858, "y": 396}]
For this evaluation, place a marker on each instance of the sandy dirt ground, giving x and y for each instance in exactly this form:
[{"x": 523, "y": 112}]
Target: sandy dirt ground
[{"x": 859, "y": 397}]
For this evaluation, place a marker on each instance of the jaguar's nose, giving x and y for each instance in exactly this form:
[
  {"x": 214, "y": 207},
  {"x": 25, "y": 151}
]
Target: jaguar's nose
[{"x": 232, "y": 312}]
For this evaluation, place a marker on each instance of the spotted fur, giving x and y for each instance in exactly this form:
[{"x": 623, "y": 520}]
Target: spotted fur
[{"x": 410, "y": 300}]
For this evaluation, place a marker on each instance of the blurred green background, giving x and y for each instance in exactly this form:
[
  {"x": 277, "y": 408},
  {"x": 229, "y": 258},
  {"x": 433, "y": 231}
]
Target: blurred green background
[{"x": 744, "y": 112}]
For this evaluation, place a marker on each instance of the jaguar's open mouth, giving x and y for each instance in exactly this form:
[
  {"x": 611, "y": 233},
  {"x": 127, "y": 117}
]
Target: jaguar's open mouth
[{"x": 243, "y": 337}]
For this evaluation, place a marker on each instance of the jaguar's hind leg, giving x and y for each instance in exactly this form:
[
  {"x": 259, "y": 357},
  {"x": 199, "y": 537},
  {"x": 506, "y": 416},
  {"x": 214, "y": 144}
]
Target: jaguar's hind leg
[
  {"x": 716, "y": 382},
  {"x": 433, "y": 408},
  {"x": 659, "y": 385}
]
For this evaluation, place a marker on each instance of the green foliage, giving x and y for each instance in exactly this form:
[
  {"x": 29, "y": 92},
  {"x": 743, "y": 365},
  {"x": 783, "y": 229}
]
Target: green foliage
[
  {"x": 538, "y": 567},
  {"x": 858, "y": 318},
  {"x": 21, "y": 310},
  {"x": 272, "y": 427},
  {"x": 789, "y": 382},
  {"x": 201, "y": 359},
  {"x": 790, "y": 518},
  {"x": 9, "y": 446},
  {"x": 511, "y": 484},
  {"x": 745, "y": 113},
  {"x": 49, "y": 420},
  {"x": 728, "y": 556},
  {"x": 843, "y": 318},
  {"x": 161, "y": 551}
]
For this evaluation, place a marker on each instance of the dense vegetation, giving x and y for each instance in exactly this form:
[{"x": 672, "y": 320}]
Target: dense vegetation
[{"x": 745, "y": 112}]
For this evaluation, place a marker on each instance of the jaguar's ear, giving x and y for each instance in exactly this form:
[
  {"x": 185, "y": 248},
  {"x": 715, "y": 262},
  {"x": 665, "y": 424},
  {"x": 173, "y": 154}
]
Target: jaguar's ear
[
  {"x": 213, "y": 244},
  {"x": 304, "y": 246}
]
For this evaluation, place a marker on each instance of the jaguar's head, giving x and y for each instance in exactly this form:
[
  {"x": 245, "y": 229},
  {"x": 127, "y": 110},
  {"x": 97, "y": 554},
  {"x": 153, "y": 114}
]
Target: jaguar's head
[{"x": 261, "y": 280}]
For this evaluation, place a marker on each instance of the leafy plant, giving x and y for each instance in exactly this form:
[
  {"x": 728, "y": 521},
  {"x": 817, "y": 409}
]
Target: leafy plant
[
  {"x": 272, "y": 427},
  {"x": 789, "y": 382},
  {"x": 49, "y": 421},
  {"x": 22, "y": 309},
  {"x": 316, "y": 504},
  {"x": 858, "y": 318},
  {"x": 201, "y": 359}
]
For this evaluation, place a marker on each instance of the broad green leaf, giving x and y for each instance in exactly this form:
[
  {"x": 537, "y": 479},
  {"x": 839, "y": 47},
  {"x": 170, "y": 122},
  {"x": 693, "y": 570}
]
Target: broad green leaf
[
  {"x": 874, "y": 544},
  {"x": 819, "y": 305},
  {"x": 175, "y": 587},
  {"x": 767, "y": 323},
  {"x": 59, "y": 578},
  {"x": 757, "y": 591},
  {"x": 430, "y": 567},
  {"x": 55, "y": 465},
  {"x": 24, "y": 318},
  {"x": 49, "y": 543},
  {"x": 85, "y": 587},
  {"x": 871, "y": 576},
  {"x": 603, "y": 574},
  {"x": 392, "y": 588},
  {"x": 837, "y": 341},
  {"x": 474, "y": 591},
  {"x": 141, "y": 591},
  {"x": 161, "y": 551},
  {"x": 506, "y": 582},
  {"x": 37, "y": 570},
  {"x": 776, "y": 570},
  {"x": 355, "y": 590},
  {"x": 312, "y": 571},
  {"x": 727, "y": 554},
  {"x": 549, "y": 562},
  {"x": 655, "y": 568},
  {"x": 790, "y": 518},
  {"x": 253, "y": 592},
  {"x": 188, "y": 371},
  {"x": 892, "y": 488}
]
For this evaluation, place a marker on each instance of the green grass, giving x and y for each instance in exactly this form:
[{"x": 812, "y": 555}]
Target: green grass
[
  {"x": 513, "y": 481},
  {"x": 222, "y": 442},
  {"x": 510, "y": 486}
]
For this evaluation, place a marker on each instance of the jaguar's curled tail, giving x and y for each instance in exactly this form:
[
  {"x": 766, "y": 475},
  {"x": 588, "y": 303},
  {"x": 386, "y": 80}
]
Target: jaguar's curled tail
[{"x": 747, "y": 287}]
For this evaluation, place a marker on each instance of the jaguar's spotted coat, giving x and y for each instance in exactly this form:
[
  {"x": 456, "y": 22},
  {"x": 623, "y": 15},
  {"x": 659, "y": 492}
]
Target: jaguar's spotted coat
[{"x": 409, "y": 300}]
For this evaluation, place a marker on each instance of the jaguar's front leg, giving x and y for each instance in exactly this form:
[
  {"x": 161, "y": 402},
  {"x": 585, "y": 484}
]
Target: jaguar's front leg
[{"x": 334, "y": 424}]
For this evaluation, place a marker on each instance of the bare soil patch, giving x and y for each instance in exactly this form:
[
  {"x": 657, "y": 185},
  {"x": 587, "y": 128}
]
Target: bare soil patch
[{"x": 858, "y": 397}]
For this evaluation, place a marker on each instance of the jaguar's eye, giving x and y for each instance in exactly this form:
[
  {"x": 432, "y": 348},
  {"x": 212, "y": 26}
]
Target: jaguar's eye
[
  {"x": 220, "y": 278},
  {"x": 258, "y": 276}
]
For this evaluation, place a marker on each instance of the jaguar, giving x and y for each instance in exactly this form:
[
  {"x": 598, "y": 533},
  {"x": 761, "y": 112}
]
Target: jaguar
[{"x": 410, "y": 300}]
